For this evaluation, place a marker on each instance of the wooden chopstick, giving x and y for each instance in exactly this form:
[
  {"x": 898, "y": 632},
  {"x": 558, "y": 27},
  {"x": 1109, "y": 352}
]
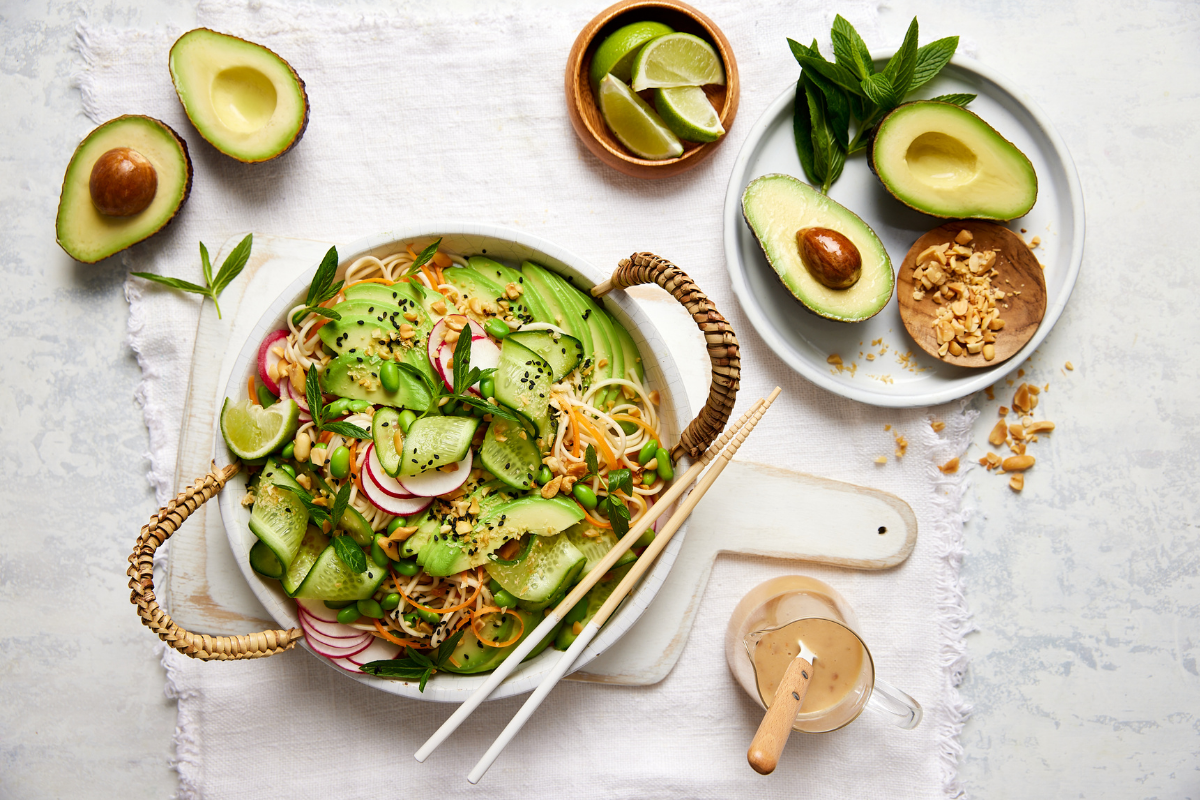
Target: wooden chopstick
[
  {"x": 623, "y": 588},
  {"x": 514, "y": 659}
]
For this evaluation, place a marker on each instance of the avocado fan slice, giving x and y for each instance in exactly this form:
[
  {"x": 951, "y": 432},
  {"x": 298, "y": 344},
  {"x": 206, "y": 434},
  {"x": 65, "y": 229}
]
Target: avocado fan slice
[
  {"x": 87, "y": 233},
  {"x": 244, "y": 99}
]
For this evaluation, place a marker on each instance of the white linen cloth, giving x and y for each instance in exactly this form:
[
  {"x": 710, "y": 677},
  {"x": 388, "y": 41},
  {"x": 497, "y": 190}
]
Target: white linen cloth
[{"x": 421, "y": 112}]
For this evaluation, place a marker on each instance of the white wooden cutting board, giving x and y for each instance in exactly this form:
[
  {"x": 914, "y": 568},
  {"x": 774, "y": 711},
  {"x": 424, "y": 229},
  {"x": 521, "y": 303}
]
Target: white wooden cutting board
[{"x": 207, "y": 593}]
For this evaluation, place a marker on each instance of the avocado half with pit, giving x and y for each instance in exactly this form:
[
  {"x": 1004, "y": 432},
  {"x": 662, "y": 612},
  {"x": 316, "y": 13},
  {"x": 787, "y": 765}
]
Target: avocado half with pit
[
  {"x": 242, "y": 98},
  {"x": 828, "y": 258},
  {"x": 125, "y": 182},
  {"x": 944, "y": 161}
]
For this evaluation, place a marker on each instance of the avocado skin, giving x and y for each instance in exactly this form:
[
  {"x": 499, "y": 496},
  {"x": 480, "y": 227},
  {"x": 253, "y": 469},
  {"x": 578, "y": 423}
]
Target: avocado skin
[
  {"x": 871, "y": 142},
  {"x": 187, "y": 181},
  {"x": 299, "y": 82}
]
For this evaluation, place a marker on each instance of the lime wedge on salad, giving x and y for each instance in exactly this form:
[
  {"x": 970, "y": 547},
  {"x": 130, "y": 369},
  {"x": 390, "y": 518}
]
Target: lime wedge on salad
[
  {"x": 633, "y": 121},
  {"x": 688, "y": 113},
  {"x": 252, "y": 431},
  {"x": 677, "y": 59},
  {"x": 617, "y": 52}
]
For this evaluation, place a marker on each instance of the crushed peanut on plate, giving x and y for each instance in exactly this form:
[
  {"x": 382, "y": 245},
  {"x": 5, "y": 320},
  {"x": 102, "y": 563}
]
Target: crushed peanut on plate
[{"x": 959, "y": 277}]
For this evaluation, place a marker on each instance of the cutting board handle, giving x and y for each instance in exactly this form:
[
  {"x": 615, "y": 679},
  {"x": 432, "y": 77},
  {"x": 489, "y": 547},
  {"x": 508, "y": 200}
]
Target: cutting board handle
[
  {"x": 141, "y": 581},
  {"x": 719, "y": 338}
]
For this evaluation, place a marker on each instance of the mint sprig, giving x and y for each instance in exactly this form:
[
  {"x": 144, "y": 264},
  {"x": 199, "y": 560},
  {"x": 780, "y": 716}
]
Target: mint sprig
[
  {"x": 423, "y": 258},
  {"x": 322, "y": 289},
  {"x": 832, "y": 96},
  {"x": 316, "y": 407},
  {"x": 416, "y": 666},
  {"x": 350, "y": 554},
  {"x": 235, "y": 262}
]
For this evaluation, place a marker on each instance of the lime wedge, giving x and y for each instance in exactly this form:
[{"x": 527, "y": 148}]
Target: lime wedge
[
  {"x": 633, "y": 121},
  {"x": 252, "y": 431},
  {"x": 677, "y": 59},
  {"x": 616, "y": 53},
  {"x": 688, "y": 113}
]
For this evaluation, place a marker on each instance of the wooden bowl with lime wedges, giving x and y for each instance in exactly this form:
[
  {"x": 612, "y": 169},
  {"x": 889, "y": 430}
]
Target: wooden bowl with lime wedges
[{"x": 652, "y": 87}]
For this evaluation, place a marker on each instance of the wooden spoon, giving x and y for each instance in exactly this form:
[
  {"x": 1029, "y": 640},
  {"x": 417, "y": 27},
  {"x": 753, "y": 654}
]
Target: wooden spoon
[
  {"x": 1018, "y": 271},
  {"x": 776, "y": 725}
]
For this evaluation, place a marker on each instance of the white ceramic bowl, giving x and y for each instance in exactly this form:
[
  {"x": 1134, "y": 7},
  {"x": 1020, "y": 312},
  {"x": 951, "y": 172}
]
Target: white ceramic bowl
[{"x": 504, "y": 245}]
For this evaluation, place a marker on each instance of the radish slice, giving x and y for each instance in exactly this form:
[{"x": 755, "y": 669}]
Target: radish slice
[
  {"x": 286, "y": 393},
  {"x": 266, "y": 358},
  {"x": 485, "y": 354},
  {"x": 333, "y": 648},
  {"x": 386, "y": 483},
  {"x": 334, "y": 632},
  {"x": 322, "y": 649},
  {"x": 380, "y": 650},
  {"x": 435, "y": 482},
  {"x": 317, "y": 610},
  {"x": 398, "y": 506}
]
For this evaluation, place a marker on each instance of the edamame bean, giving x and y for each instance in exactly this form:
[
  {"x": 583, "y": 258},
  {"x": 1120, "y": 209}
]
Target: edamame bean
[
  {"x": 389, "y": 376},
  {"x": 339, "y": 462},
  {"x": 370, "y": 608},
  {"x": 358, "y": 405},
  {"x": 504, "y": 599},
  {"x": 649, "y": 477},
  {"x": 265, "y": 398},
  {"x": 411, "y": 619},
  {"x": 377, "y": 554},
  {"x": 338, "y": 604},
  {"x": 390, "y": 602},
  {"x": 406, "y": 567},
  {"x": 289, "y": 449},
  {"x": 349, "y": 614},
  {"x": 496, "y": 328},
  {"x": 396, "y": 523},
  {"x": 628, "y": 427},
  {"x": 494, "y": 586},
  {"x": 487, "y": 388},
  {"x": 337, "y": 408},
  {"x": 585, "y": 496},
  {"x": 646, "y": 538},
  {"x": 566, "y": 634},
  {"x": 544, "y": 476},
  {"x": 289, "y": 469},
  {"x": 665, "y": 470},
  {"x": 432, "y": 617},
  {"x": 407, "y": 418},
  {"x": 647, "y": 452}
]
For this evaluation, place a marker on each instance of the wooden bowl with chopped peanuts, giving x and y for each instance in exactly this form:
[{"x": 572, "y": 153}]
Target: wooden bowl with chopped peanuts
[{"x": 971, "y": 293}]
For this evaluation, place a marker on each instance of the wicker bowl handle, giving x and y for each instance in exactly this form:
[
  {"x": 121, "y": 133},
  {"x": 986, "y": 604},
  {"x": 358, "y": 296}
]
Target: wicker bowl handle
[
  {"x": 141, "y": 582},
  {"x": 719, "y": 337}
]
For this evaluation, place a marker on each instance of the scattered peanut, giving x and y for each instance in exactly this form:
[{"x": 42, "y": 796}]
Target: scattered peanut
[
  {"x": 998, "y": 434},
  {"x": 960, "y": 279},
  {"x": 1018, "y": 463},
  {"x": 551, "y": 488},
  {"x": 938, "y": 426},
  {"x": 317, "y": 456},
  {"x": 438, "y": 307},
  {"x": 881, "y": 460},
  {"x": 950, "y": 467},
  {"x": 1070, "y": 366},
  {"x": 302, "y": 446},
  {"x": 1016, "y": 482}
]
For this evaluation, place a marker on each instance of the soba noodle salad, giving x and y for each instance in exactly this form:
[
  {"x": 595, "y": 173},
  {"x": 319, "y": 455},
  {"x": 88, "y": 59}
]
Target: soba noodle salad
[{"x": 443, "y": 446}]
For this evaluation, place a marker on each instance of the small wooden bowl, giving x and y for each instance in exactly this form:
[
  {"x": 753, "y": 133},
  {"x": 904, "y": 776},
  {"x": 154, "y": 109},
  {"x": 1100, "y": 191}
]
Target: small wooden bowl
[
  {"x": 1018, "y": 271},
  {"x": 585, "y": 111}
]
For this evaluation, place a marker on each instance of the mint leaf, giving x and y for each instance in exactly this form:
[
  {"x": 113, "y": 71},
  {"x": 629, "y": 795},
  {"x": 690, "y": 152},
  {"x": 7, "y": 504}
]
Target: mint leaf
[
  {"x": 328, "y": 313},
  {"x": 318, "y": 290},
  {"x": 930, "y": 60},
  {"x": 954, "y": 99},
  {"x": 312, "y": 395},
  {"x": 811, "y": 58},
  {"x": 339, "y": 504},
  {"x": 423, "y": 258},
  {"x": 501, "y": 411},
  {"x": 350, "y": 554},
  {"x": 346, "y": 429},
  {"x": 620, "y": 480},
  {"x": 879, "y": 90},
  {"x": 900, "y": 67},
  {"x": 618, "y": 516},
  {"x": 174, "y": 283},
  {"x": 205, "y": 265},
  {"x": 318, "y": 515},
  {"x": 802, "y": 132},
  {"x": 235, "y": 262},
  {"x": 462, "y": 361},
  {"x": 837, "y": 108},
  {"x": 849, "y": 48},
  {"x": 446, "y": 649},
  {"x": 589, "y": 457}
]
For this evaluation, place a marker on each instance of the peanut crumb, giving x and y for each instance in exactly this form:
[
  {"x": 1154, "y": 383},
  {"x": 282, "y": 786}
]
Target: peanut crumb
[
  {"x": 1002, "y": 411},
  {"x": 950, "y": 467},
  {"x": 938, "y": 426},
  {"x": 1070, "y": 367},
  {"x": 990, "y": 392},
  {"x": 901, "y": 446},
  {"x": 881, "y": 460},
  {"x": 887, "y": 427},
  {"x": 1016, "y": 482}
]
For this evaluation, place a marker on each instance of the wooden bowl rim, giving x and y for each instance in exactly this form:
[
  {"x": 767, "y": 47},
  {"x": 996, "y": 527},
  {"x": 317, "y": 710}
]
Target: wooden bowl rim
[{"x": 583, "y": 43}]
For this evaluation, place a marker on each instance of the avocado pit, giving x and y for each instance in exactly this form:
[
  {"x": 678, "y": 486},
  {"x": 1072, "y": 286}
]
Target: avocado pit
[
  {"x": 830, "y": 256},
  {"x": 123, "y": 182}
]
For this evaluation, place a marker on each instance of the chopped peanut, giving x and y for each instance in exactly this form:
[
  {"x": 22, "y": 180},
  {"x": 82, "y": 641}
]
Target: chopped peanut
[
  {"x": 881, "y": 460},
  {"x": 1018, "y": 463},
  {"x": 998, "y": 434},
  {"x": 938, "y": 426},
  {"x": 950, "y": 467},
  {"x": 1016, "y": 482},
  {"x": 1041, "y": 426},
  {"x": 1070, "y": 366},
  {"x": 551, "y": 488}
]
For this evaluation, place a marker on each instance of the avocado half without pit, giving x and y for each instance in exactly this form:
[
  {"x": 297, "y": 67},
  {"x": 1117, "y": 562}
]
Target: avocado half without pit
[
  {"x": 125, "y": 182},
  {"x": 242, "y": 98},
  {"x": 944, "y": 161},
  {"x": 828, "y": 258}
]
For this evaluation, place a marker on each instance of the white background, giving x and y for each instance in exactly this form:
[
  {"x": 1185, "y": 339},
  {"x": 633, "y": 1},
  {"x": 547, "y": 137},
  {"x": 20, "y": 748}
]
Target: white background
[{"x": 1084, "y": 675}]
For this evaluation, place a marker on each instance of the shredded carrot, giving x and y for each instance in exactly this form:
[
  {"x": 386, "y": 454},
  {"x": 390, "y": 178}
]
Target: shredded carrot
[
  {"x": 250, "y": 387},
  {"x": 641, "y": 424},
  {"x": 384, "y": 281},
  {"x": 441, "y": 260},
  {"x": 358, "y": 482},
  {"x": 353, "y": 454},
  {"x": 325, "y": 436},
  {"x": 313, "y": 330},
  {"x": 476, "y": 614},
  {"x": 605, "y": 450},
  {"x": 410, "y": 252},
  {"x": 593, "y": 520},
  {"x": 575, "y": 432},
  {"x": 433, "y": 281},
  {"x": 459, "y": 607},
  {"x": 402, "y": 642}
]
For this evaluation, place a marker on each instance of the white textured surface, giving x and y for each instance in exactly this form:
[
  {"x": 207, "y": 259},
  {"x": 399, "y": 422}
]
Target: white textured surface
[{"x": 1084, "y": 676}]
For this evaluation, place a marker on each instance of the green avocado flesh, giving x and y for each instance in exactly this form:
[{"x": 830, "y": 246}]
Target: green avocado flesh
[
  {"x": 88, "y": 235},
  {"x": 944, "y": 161},
  {"x": 244, "y": 99},
  {"x": 776, "y": 207}
]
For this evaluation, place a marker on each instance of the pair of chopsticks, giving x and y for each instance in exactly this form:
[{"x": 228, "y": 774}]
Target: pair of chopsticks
[{"x": 719, "y": 455}]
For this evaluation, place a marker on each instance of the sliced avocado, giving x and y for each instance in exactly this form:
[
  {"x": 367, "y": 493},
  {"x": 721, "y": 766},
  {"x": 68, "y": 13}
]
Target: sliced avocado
[
  {"x": 447, "y": 554},
  {"x": 357, "y": 377},
  {"x": 472, "y": 284},
  {"x": 632, "y": 356},
  {"x": 244, "y": 99},
  {"x": 945, "y": 161},
  {"x": 777, "y": 207},
  {"x": 135, "y": 166}
]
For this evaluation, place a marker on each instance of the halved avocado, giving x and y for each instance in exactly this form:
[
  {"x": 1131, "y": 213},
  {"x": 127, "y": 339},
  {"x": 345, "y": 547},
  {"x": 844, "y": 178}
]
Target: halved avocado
[
  {"x": 244, "y": 99},
  {"x": 777, "y": 207},
  {"x": 945, "y": 161},
  {"x": 135, "y": 168}
]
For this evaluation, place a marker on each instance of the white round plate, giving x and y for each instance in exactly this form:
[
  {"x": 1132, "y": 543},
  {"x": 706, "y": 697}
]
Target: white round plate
[
  {"x": 504, "y": 245},
  {"x": 806, "y": 341}
]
